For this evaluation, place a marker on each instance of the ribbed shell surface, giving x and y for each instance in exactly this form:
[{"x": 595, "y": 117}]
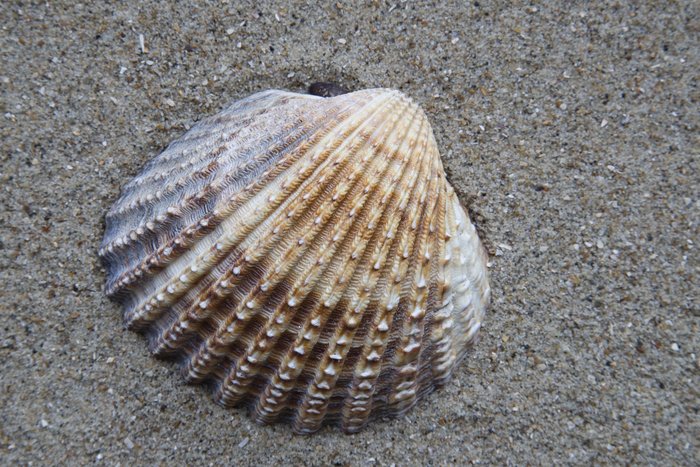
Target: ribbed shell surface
[{"x": 304, "y": 256}]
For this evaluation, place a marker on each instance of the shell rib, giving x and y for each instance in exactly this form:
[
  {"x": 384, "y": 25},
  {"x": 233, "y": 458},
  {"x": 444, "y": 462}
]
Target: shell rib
[{"x": 304, "y": 256}]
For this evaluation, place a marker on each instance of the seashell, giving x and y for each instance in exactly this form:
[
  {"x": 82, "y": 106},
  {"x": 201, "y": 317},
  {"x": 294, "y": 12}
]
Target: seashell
[{"x": 305, "y": 257}]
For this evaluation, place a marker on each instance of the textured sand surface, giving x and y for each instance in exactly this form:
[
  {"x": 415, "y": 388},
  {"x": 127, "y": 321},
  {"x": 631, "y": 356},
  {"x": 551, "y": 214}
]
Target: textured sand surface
[{"x": 571, "y": 130}]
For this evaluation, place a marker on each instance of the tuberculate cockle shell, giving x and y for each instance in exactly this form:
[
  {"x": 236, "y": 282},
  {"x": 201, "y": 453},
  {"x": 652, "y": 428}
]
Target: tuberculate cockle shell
[{"x": 303, "y": 256}]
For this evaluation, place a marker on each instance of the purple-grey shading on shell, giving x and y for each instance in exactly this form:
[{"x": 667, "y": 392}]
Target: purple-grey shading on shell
[{"x": 305, "y": 257}]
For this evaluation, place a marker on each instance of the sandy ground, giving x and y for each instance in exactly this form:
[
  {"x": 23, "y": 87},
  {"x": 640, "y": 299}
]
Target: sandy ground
[{"x": 572, "y": 129}]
